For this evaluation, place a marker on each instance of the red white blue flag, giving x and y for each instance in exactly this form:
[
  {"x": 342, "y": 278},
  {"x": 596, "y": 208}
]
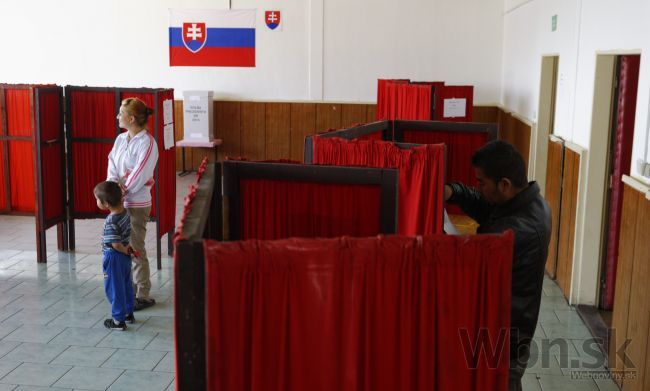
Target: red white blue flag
[{"x": 212, "y": 38}]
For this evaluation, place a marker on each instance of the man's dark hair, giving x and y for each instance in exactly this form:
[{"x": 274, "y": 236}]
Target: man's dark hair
[
  {"x": 109, "y": 192},
  {"x": 499, "y": 159}
]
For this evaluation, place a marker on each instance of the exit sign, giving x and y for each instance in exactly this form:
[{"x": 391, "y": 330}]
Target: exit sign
[{"x": 554, "y": 23}]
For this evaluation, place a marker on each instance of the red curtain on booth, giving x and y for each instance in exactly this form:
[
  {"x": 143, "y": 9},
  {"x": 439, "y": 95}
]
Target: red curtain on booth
[
  {"x": 421, "y": 176},
  {"x": 276, "y": 209},
  {"x": 18, "y": 112},
  {"x": 93, "y": 114},
  {"x": 166, "y": 169},
  {"x": 3, "y": 177},
  {"x": 384, "y": 98},
  {"x": 90, "y": 164},
  {"x": 21, "y": 175},
  {"x": 52, "y": 155},
  {"x": 387, "y": 313}
]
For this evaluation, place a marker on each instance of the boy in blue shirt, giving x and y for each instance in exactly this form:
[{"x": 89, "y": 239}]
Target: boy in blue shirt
[{"x": 116, "y": 262}]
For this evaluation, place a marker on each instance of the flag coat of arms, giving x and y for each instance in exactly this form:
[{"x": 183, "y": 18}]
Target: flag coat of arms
[
  {"x": 212, "y": 38},
  {"x": 272, "y": 19}
]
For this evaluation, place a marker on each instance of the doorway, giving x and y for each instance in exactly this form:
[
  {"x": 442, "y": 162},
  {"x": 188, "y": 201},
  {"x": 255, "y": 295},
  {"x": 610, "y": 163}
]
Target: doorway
[{"x": 546, "y": 119}]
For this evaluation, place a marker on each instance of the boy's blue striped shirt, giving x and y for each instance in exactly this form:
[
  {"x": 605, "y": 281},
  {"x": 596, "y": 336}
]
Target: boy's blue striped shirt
[{"x": 117, "y": 229}]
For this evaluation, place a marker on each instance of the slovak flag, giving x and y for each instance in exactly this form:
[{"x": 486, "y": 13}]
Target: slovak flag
[{"x": 224, "y": 38}]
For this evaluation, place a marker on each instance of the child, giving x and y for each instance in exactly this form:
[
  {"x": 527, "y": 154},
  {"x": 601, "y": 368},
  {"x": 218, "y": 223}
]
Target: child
[{"x": 116, "y": 262}]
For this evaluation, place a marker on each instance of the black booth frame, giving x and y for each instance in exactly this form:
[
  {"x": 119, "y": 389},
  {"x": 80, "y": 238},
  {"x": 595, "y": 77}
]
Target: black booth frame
[
  {"x": 70, "y": 164},
  {"x": 234, "y": 171},
  {"x": 492, "y": 129},
  {"x": 37, "y": 143},
  {"x": 189, "y": 266}
]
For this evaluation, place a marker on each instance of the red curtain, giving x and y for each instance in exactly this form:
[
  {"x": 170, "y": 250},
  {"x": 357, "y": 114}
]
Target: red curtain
[
  {"x": 454, "y": 92},
  {"x": 21, "y": 176},
  {"x": 271, "y": 209},
  {"x": 93, "y": 114},
  {"x": 387, "y": 313},
  {"x": 384, "y": 98},
  {"x": 371, "y": 136},
  {"x": 50, "y": 115},
  {"x": 421, "y": 176},
  {"x": 90, "y": 163},
  {"x": 3, "y": 176},
  {"x": 625, "y": 118},
  {"x": 166, "y": 170},
  {"x": 18, "y": 112},
  {"x": 53, "y": 182}
]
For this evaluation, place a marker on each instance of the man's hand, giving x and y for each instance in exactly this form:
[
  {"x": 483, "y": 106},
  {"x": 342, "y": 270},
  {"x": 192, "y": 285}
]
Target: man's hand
[{"x": 448, "y": 192}]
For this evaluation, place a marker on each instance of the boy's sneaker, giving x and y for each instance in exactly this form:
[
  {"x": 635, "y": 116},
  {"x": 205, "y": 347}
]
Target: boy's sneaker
[
  {"x": 112, "y": 325},
  {"x": 129, "y": 319}
]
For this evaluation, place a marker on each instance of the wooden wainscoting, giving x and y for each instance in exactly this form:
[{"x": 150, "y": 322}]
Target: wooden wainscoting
[
  {"x": 276, "y": 130},
  {"x": 567, "y": 225},
  {"x": 631, "y": 319},
  {"x": 553, "y": 195},
  {"x": 515, "y": 131},
  {"x": 268, "y": 130}
]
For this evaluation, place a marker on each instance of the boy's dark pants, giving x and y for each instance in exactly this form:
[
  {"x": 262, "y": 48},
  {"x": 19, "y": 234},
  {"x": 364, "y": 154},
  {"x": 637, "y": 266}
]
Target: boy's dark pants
[{"x": 118, "y": 284}]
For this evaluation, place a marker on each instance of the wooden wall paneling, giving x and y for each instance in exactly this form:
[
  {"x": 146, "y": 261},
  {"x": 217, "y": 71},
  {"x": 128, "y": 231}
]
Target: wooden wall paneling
[
  {"x": 487, "y": 114},
  {"x": 553, "y": 194},
  {"x": 303, "y": 123},
  {"x": 278, "y": 131},
  {"x": 639, "y": 310},
  {"x": 522, "y": 140},
  {"x": 371, "y": 113},
  {"x": 352, "y": 114},
  {"x": 328, "y": 117},
  {"x": 624, "y": 271},
  {"x": 253, "y": 130},
  {"x": 567, "y": 220},
  {"x": 227, "y": 118}
]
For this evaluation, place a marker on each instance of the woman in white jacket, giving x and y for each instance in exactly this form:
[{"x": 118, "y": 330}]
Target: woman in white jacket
[{"x": 131, "y": 163}]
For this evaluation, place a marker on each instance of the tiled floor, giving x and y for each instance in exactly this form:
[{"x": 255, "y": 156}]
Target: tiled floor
[{"x": 52, "y": 336}]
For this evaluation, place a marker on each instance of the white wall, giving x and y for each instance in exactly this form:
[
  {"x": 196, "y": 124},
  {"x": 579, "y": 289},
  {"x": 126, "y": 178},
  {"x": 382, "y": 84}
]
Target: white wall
[
  {"x": 329, "y": 50},
  {"x": 585, "y": 29}
]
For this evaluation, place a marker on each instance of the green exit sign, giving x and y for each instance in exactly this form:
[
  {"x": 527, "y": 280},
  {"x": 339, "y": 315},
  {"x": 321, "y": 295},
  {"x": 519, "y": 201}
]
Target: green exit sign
[{"x": 554, "y": 23}]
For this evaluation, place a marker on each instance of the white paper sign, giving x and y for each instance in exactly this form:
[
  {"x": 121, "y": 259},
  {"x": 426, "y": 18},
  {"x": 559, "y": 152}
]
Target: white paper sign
[
  {"x": 168, "y": 110},
  {"x": 169, "y": 135},
  {"x": 454, "y": 108}
]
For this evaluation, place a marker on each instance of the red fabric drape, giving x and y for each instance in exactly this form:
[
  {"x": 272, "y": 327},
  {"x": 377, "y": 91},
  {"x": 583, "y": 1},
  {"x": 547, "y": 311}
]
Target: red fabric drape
[
  {"x": 53, "y": 182},
  {"x": 371, "y": 136},
  {"x": 394, "y": 313},
  {"x": 272, "y": 209},
  {"x": 90, "y": 163},
  {"x": 93, "y": 114},
  {"x": 50, "y": 115},
  {"x": 627, "y": 92},
  {"x": 21, "y": 175},
  {"x": 384, "y": 98},
  {"x": 166, "y": 170},
  {"x": 3, "y": 176},
  {"x": 454, "y": 92},
  {"x": 18, "y": 111},
  {"x": 421, "y": 176}
]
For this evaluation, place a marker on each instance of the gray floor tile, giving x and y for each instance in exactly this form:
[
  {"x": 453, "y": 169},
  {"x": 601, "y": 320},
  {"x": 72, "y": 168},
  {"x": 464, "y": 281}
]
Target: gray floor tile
[
  {"x": 7, "y": 387},
  {"x": 36, "y": 374},
  {"x": 529, "y": 382},
  {"x": 75, "y": 336},
  {"x": 34, "y": 333},
  {"x": 76, "y": 319},
  {"x": 89, "y": 378},
  {"x": 32, "y": 316},
  {"x": 565, "y": 383},
  {"x": 127, "y": 339},
  {"x": 34, "y": 353},
  {"x": 33, "y": 302},
  {"x": 142, "y": 380},
  {"x": 6, "y": 367},
  {"x": 163, "y": 342},
  {"x": 157, "y": 324},
  {"x": 568, "y": 331},
  {"x": 139, "y": 360},
  {"x": 167, "y": 364},
  {"x": 83, "y": 356},
  {"x": 7, "y": 346},
  {"x": 30, "y": 388}
]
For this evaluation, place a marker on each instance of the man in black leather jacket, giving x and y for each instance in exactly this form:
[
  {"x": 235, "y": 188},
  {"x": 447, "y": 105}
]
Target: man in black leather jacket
[{"x": 506, "y": 200}]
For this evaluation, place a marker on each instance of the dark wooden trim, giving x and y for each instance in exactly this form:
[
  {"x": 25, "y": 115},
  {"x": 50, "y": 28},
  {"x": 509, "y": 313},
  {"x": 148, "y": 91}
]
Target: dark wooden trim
[
  {"x": 189, "y": 310},
  {"x": 35, "y": 120},
  {"x": 156, "y": 173},
  {"x": 5, "y": 152},
  {"x": 68, "y": 90},
  {"x": 433, "y": 126}
]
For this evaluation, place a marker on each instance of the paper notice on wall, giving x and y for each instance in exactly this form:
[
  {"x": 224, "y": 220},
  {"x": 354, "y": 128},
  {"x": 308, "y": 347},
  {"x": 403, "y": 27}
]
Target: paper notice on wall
[
  {"x": 168, "y": 111},
  {"x": 454, "y": 108},
  {"x": 169, "y": 135}
]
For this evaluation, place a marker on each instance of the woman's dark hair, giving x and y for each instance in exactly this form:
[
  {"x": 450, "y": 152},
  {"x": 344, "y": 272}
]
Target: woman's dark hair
[
  {"x": 499, "y": 159},
  {"x": 109, "y": 192},
  {"x": 138, "y": 109}
]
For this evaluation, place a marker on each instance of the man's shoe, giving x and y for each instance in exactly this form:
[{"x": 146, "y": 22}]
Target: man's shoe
[
  {"x": 129, "y": 319},
  {"x": 113, "y": 325},
  {"x": 141, "y": 304}
]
